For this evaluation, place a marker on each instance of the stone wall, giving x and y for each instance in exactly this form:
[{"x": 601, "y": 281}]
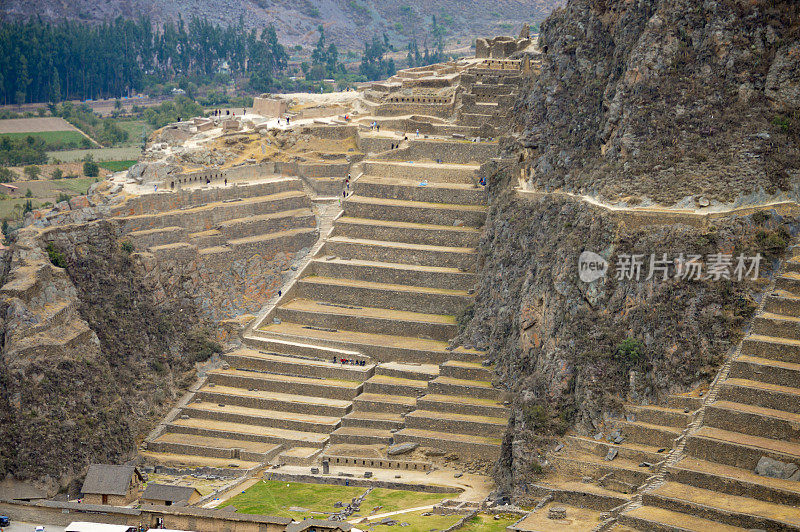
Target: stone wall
[
  {"x": 457, "y": 152},
  {"x": 271, "y": 107},
  {"x": 178, "y": 518},
  {"x": 382, "y": 463}
]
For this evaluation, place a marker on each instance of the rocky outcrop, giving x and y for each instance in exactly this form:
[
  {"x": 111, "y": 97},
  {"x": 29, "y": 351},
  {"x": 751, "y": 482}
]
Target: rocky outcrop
[
  {"x": 89, "y": 359},
  {"x": 99, "y": 340},
  {"x": 662, "y": 101},
  {"x": 666, "y": 100},
  {"x": 566, "y": 348}
]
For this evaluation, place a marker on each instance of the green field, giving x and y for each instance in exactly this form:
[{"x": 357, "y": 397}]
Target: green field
[
  {"x": 487, "y": 523},
  {"x": 116, "y": 166},
  {"x": 99, "y": 154},
  {"x": 416, "y": 522},
  {"x": 42, "y": 192},
  {"x": 272, "y": 497},
  {"x": 134, "y": 129},
  {"x": 54, "y": 140}
]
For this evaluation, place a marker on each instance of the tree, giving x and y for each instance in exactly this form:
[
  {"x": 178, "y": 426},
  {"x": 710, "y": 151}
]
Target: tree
[
  {"x": 57, "y": 174},
  {"x": 32, "y": 172},
  {"x": 29, "y": 193},
  {"x": 90, "y": 168},
  {"x": 373, "y": 66},
  {"x": 6, "y": 175}
]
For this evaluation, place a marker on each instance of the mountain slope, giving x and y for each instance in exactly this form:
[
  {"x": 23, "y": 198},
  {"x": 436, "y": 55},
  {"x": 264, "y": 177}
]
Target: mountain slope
[{"x": 349, "y": 22}]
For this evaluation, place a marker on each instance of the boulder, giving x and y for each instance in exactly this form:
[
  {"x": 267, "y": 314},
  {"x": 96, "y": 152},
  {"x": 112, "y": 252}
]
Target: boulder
[
  {"x": 401, "y": 448},
  {"x": 769, "y": 467}
]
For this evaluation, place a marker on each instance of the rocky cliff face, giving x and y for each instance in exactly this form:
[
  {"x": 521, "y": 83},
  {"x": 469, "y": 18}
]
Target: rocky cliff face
[
  {"x": 91, "y": 359},
  {"x": 99, "y": 340},
  {"x": 669, "y": 101}
]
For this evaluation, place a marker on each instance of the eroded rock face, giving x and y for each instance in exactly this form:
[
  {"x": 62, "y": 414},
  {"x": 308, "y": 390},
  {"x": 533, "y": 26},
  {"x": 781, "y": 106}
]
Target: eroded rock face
[
  {"x": 559, "y": 343},
  {"x": 664, "y": 99}
]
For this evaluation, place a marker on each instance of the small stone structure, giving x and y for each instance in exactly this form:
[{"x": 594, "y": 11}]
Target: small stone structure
[
  {"x": 265, "y": 105},
  {"x": 111, "y": 484},
  {"x": 503, "y": 46}
]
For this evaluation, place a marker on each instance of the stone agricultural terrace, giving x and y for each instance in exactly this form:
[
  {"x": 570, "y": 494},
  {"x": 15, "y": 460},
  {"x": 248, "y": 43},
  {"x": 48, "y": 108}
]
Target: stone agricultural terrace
[{"x": 351, "y": 364}]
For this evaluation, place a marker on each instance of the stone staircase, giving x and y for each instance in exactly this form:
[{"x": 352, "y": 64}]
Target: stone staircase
[
  {"x": 355, "y": 355},
  {"x": 593, "y": 475},
  {"x": 752, "y": 413},
  {"x": 385, "y": 289},
  {"x": 257, "y": 405}
]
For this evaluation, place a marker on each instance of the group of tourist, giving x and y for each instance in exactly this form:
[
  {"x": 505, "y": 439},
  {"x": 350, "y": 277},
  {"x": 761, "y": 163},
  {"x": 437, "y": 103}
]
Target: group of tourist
[{"x": 349, "y": 361}]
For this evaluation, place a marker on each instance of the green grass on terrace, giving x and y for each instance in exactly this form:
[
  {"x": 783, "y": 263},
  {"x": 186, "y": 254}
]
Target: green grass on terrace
[
  {"x": 116, "y": 166},
  {"x": 270, "y": 497}
]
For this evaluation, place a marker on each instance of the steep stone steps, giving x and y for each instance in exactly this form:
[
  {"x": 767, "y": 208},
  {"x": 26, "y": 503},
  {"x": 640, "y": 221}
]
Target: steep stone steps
[
  {"x": 146, "y": 238},
  {"x": 661, "y": 415},
  {"x": 330, "y": 388},
  {"x": 239, "y": 228},
  {"x": 621, "y": 474},
  {"x": 373, "y": 420},
  {"x": 732, "y": 510},
  {"x": 737, "y": 449},
  {"x": 414, "y": 211},
  {"x": 390, "y": 404},
  {"x": 772, "y": 347},
  {"x": 734, "y": 481},
  {"x": 461, "y": 258},
  {"x": 420, "y": 190},
  {"x": 637, "y": 453},
  {"x": 367, "y": 319},
  {"x": 447, "y": 278},
  {"x": 203, "y": 446},
  {"x": 649, "y": 434},
  {"x": 240, "y": 431},
  {"x": 462, "y": 405},
  {"x": 460, "y": 387},
  {"x": 755, "y": 420},
  {"x": 270, "y": 400},
  {"x": 210, "y": 215},
  {"x": 769, "y": 324},
  {"x": 302, "y": 348},
  {"x": 654, "y": 519},
  {"x": 408, "y": 232},
  {"x": 455, "y": 423},
  {"x": 245, "y": 358},
  {"x": 459, "y": 369},
  {"x": 684, "y": 402},
  {"x": 762, "y": 394},
  {"x": 270, "y": 243},
  {"x": 484, "y": 447},
  {"x": 386, "y": 385},
  {"x": 260, "y": 417},
  {"x": 789, "y": 282},
  {"x": 379, "y": 347},
  {"x": 580, "y": 494},
  {"x": 416, "y": 372},
  {"x": 765, "y": 370},
  {"x": 782, "y": 302},
  {"x": 360, "y": 436},
  {"x": 432, "y": 172}
]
